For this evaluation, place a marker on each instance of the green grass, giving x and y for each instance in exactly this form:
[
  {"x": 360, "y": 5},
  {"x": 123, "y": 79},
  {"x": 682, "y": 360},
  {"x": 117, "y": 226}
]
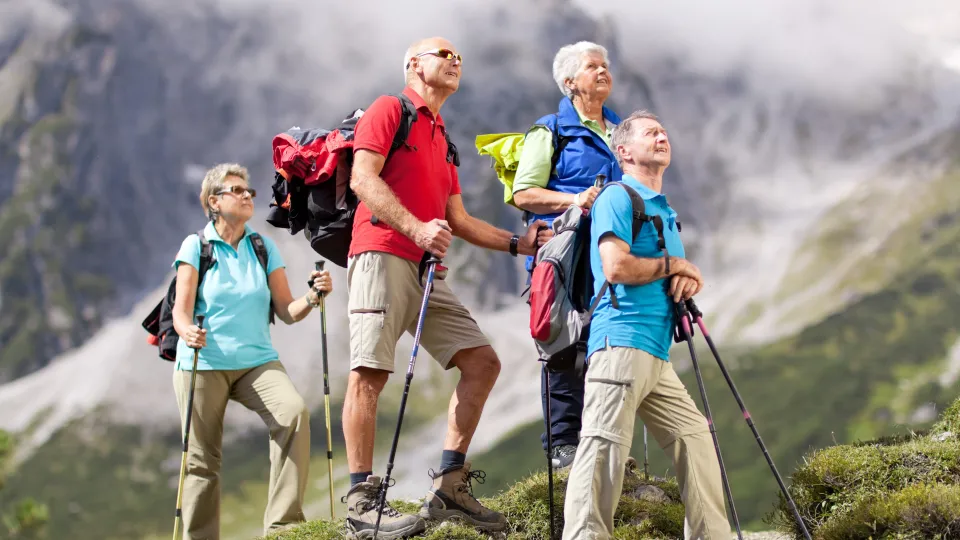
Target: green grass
[
  {"x": 903, "y": 487},
  {"x": 526, "y": 506}
]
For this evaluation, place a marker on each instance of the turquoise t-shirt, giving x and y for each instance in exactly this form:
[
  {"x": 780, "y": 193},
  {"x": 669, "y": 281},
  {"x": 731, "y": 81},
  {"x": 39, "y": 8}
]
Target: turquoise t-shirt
[
  {"x": 646, "y": 318},
  {"x": 234, "y": 297}
]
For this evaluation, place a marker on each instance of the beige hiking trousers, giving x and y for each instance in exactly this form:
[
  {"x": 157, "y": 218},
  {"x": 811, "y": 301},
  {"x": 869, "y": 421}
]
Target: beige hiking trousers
[
  {"x": 267, "y": 391},
  {"x": 622, "y": 383}
]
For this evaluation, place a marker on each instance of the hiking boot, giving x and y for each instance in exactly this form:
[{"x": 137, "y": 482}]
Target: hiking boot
[
  {"x": 362, "y": 514},
  {"x": 452, "y": 497},
  {"x": 562, "y": 456}
]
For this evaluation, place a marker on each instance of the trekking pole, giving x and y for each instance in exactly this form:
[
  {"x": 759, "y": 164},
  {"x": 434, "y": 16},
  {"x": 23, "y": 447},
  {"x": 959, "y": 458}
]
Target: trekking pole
[
  {"x": 646, "y": 474},
  {"x": 326, "y": 385},
  {"x": 186, "y": 435},
  {"x": 683, "y": 321},
  {"x": 546, "y": 394},
  {"x": 432, "y": 263},
  {"x": 698, "y": 318}
]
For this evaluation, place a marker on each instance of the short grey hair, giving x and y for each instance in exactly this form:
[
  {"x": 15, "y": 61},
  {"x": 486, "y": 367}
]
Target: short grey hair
[
  {"x": 213, "y": 183},
  {"x": 623, "y": 133},
  {"x": 567, "y": 61}
]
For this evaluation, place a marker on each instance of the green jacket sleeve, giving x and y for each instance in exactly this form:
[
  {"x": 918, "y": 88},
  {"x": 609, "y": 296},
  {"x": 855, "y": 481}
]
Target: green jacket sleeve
[{"x": 535, "y": 161}]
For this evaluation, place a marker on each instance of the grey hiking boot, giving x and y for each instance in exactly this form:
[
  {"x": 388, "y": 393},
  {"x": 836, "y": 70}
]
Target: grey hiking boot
[
  {"x": 362, "y": 514},
  {"x": 451, "y": 497},
  {"x": 563, "y": 455}
]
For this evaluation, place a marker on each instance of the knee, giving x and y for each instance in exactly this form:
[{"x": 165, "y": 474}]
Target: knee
[
  {"x": 479, "y": 363},
  {"x": 366, "y": 382},
  {"x": 292, "y": 412}
]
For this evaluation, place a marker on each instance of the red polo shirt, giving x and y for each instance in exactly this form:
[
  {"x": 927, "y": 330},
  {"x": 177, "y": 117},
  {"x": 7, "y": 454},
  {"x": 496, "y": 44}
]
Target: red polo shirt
[{"x": 418, "y": 173}]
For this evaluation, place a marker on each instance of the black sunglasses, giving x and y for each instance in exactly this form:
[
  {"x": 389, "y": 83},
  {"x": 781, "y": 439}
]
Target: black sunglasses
[{"x": 238, "y": 191}]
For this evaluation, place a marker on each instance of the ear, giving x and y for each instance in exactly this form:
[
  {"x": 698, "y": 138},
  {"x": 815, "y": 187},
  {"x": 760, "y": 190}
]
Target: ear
[
  {"x": 623, "y": 152},
  {"x": 414, "y": 64},
  {"x": 569, "y": 84}
]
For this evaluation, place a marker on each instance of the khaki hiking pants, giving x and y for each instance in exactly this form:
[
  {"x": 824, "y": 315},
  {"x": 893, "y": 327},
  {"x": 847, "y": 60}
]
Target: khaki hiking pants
[
  {"x": 268, "y": 391},
  {"x": 621, "y": 383}
]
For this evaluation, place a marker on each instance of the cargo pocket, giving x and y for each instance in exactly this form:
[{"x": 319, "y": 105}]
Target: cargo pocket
[
  {"x": 609, "y": 406},
  {"x": 367, "y": 306},
  {"x": 366, "y": 325}
]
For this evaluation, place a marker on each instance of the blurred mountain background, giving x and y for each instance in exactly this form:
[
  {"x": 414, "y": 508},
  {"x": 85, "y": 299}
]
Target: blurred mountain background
[{"x": 816, "y": 170}]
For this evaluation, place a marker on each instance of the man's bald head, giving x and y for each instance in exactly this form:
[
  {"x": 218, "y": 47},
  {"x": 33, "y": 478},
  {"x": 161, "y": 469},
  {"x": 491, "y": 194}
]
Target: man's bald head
[{"x": 420, "y": 46}]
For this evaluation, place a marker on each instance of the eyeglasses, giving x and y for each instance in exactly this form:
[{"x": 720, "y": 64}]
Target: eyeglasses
[
  {"x": 446, "y": 54},
  {"x": 238, "y": 191}
]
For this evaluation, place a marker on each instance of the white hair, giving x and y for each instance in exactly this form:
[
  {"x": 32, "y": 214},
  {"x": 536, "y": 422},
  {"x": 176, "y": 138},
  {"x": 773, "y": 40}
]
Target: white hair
[{"x": 567, "y": 62}]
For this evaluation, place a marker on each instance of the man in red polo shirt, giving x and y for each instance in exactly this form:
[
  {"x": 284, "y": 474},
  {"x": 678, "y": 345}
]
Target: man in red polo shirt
[{"x": 415, "y": 196}]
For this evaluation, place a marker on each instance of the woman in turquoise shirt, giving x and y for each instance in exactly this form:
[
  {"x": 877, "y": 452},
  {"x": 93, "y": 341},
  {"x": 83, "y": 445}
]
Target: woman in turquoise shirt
[{"x": 236, "y": 358}]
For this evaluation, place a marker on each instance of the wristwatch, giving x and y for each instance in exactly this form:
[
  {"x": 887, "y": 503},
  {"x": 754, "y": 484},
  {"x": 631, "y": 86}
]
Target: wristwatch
[
  {"x": 313, "y": 305},
  {"x": 514, "y": 242}
]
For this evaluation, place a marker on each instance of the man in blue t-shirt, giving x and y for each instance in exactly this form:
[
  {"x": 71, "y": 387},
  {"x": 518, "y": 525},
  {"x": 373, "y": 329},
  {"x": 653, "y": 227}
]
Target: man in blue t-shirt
[{"x": 629, "y": 370}]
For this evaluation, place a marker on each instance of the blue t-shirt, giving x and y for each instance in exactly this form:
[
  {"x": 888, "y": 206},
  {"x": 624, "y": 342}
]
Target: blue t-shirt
[
  {"x": 646, "y": 318},
  {"x": 234, "y": 297}
]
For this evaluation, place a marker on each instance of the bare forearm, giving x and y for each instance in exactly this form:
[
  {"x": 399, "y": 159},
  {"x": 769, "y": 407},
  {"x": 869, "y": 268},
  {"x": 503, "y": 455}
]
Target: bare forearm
[
  {"x": 480, "y": 233},
  {"x": 296, "y": 310},
  {"x": 543, "y": 201},
  {"x": 630, "y": 270},
  {"x": 383, "y": 203}
]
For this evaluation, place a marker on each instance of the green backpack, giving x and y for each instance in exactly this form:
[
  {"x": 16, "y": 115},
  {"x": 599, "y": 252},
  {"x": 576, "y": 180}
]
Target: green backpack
[{"x": 505, "y": 150}]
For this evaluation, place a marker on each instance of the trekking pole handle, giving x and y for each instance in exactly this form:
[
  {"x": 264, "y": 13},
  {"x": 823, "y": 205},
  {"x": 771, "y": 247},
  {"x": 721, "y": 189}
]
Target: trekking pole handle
[
  {"x": 318, "y": 265},
  {"x": 601, "y": 178},
  {"x": 433, "y": 259},
  {"x": 200, "y": 323},
  {"x": 694, "y": 310}
]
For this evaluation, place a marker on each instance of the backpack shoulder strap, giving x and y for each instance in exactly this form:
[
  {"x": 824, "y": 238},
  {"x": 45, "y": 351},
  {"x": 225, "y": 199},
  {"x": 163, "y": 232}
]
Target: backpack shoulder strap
[
  {"x": 260, "y": 248},
  {"x": 452, "y": 155},
  {"x": 408, "y": 115},
  {"x": 552, "y": 123},
  {"x": 206, "y": 256}
]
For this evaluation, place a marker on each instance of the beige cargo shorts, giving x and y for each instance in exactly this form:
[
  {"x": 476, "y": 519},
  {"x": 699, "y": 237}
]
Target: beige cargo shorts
[{"x": 384, "y": 302}]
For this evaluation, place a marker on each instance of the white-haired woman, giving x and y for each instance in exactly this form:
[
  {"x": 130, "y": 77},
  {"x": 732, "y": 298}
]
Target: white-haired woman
[
  {"x": 562, "y": 155},
  {"x": 236, "y": 357}
]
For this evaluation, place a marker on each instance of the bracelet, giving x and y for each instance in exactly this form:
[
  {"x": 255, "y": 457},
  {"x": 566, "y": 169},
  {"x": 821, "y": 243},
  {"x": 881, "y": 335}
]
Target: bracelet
[{"x": 514, "y": 242}]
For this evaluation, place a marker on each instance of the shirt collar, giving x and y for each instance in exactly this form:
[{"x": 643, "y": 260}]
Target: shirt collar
[
  {"x": 590, "y": 122},
  {"x": 421, "y": 105},
  {"x": 645, "y": 192},
  {"x": 210, "y": 232}
]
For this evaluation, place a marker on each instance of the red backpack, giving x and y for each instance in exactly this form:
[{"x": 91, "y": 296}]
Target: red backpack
[{"x": 311, "y": 189}]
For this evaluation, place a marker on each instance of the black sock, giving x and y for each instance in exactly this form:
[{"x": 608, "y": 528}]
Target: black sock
[
  {"x": 451, "y": 458},
  {"x": 357, "y": 477}
]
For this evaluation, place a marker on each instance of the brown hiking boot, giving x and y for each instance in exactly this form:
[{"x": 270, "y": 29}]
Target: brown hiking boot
[
  {"x": 452, "y": 497},
  {"x": 362, "y": 514}
]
